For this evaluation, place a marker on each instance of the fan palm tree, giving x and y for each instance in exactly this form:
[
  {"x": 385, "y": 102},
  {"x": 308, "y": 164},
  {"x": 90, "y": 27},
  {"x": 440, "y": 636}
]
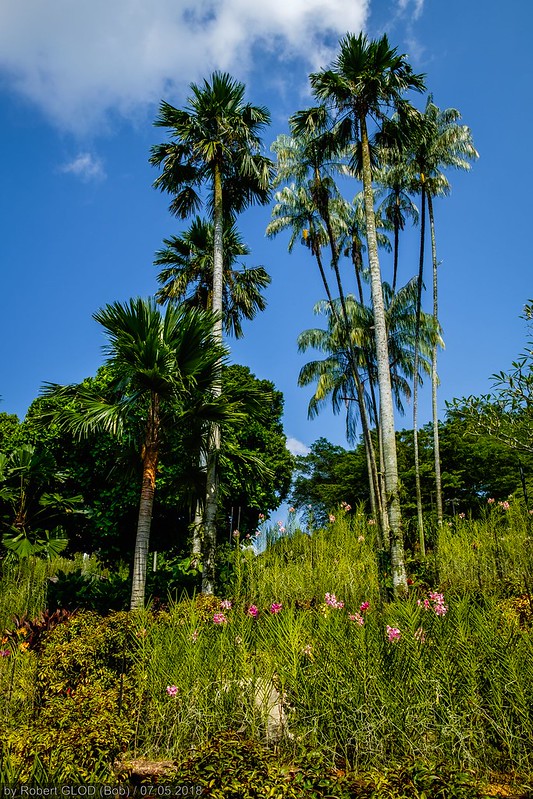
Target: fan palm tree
[
  {"x": 164, "y": 368},
  {"x": 366, "y": 80},
  {"x": 215, "y": 144}
]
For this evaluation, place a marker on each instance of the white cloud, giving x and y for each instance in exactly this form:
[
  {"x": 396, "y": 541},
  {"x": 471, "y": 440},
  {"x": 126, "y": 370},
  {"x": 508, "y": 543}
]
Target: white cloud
[
  {"x": 80, "y": 61},
  {"x": 85, "y": 166},
  {"x": 296, "y": 447}
]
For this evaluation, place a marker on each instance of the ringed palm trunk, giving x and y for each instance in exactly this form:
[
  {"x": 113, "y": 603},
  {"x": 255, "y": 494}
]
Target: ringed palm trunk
[
  {"x": 419, "y": 512},
  {"x": 211, "y": 499},
  {"x": 388, "y": 432},
  {"x": 144, "y": 523},
  {"x": 434, "y": 376}
]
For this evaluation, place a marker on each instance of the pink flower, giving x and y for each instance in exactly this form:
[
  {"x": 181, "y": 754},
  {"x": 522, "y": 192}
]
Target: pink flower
[
  {"x": 219, "y": 618},
  {"x": 194, "y": 636},
  {"x": 275, "y": 607},
  {"x": 357, "y": 618},
  {"x": 490, "y": 501},
  {"x": 252, "y": 611},
  {"x": 461, "y": 515},
  {"x": 262, "y": 517},
  {"x": 225, "y": 604},
  {"x": 172, "y": 690},
  {"x": 393, "y": 633},
  {"x": 364, "y": 607},
  {"x": 291, "y": 510},
  {"x": 504, "y": 505},
  {"x": 235, "y": 534},
  {"x": 331, "y": 518},
  {"x": 332, "y": 601},
  {"x": 346, "y": 507},
  {"x": 5, "y": 653}
]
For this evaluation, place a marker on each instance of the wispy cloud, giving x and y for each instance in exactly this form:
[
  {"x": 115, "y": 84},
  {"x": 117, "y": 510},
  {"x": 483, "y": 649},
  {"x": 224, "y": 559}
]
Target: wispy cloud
[
  {"x": 417, "y": 7},
  {"x": 85, "y": 166},
  {"x": 82, "y": 63},
  {"x": 296, "y": 447}
]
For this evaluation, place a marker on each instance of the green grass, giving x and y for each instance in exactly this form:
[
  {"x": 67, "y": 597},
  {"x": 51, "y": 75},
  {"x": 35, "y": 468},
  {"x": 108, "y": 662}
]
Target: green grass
[{"x": 454, "y": 689}]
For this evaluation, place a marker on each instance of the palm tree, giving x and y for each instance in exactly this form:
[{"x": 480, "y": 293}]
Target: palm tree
[
  {"x": 187, "y": 277},
  {"x": 215, "y": 144},
  {"x": 438, "y": 142},
  {"x": 332, "y": 375},
  {"x": 187, "y": 274},
  {"x": 313, "y": 161},
  {"x": 397, "y": 206},
  {"x": 367, "y": 79},
  {"x": 164, "y": 367}
]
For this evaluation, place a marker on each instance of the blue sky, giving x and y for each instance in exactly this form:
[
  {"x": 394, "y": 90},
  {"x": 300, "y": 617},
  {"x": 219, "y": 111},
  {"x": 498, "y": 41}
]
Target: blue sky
[{"x": 80, "y": 85}]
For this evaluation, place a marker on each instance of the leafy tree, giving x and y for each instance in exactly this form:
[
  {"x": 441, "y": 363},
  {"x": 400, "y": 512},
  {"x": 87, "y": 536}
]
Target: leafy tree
[
  {"x": 32, "y": 510},
  {"x": 327, "y": 476}
]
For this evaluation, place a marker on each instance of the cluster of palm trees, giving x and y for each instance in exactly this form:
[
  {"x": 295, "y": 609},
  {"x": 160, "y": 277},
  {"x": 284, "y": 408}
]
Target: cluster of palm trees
[
  {"x": 364, "y": 127},
  {"x": 213, "y": 168}
]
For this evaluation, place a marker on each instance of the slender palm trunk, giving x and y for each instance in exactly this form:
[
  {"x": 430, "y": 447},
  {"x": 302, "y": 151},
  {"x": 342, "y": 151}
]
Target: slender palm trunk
[
  {"x": 434, "y": 375},
  {"x": 144, "y": 523},
  {"x": 388, "y": 432},
  {"x": 211, "y": 499},
  {"x": 419, "y": 510},
  {"x": 396, "y": 242}
]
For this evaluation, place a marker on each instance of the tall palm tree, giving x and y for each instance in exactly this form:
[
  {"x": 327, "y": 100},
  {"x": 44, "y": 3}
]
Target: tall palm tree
[
  {"x": 165, "y": 368},
  {"x": 365, "y": 81},
  {"x": 438, "y": 143},
  {"x": 215, "y": 144}
]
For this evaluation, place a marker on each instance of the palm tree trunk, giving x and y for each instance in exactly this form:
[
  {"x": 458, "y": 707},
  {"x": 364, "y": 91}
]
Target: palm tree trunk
[
  {"x": 388, "y": 432},
  {"x": 211, "y": 500},
  {"x": 396, "y": 243},
  {"x": 434, "y": 375},
  {"x": 144, "y": 523},
  {"x": 419, "y": 512}
]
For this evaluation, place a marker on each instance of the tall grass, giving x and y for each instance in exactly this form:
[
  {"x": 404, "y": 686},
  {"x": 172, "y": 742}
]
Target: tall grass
[{"x": 447, "y": 680}]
